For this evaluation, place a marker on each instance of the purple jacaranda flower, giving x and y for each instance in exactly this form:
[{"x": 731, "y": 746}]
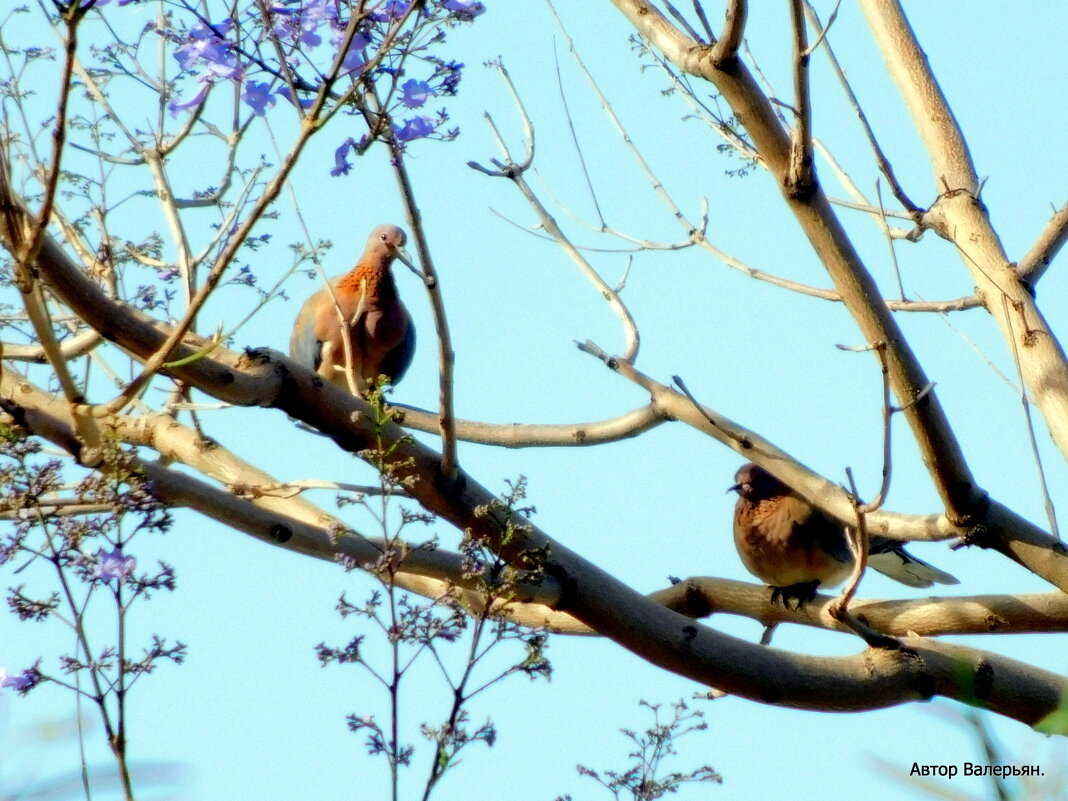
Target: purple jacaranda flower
[
  {"x": 416, "y": 93},
  {"x": 448, "y": 74},
  {"x": 341, "y": 164},
  {"x": 313, "y": 14},
  {"x": 284, "y": 91},
  {"x": 302, "y": 23},
  {"x": 309, "y": 32},
  {"x": 174, "y": 106},
  {"x": 224, "y": 67},
  {"x": 390, "y": 10},
  {"x": 258, "y": 96},
  {"x": 281, "y": 18},
  {"x": 413, "y": 128},
  {"x": 20, "y": 683},
  {"x": 113, "y": 565},
  {"x": 354, "y": 59},
  {"x": 218, "y": 30},
  {"x": 207, "y": 48},
  {"x": 245, "y": 275},
  {"x": 466, "y": 8}
]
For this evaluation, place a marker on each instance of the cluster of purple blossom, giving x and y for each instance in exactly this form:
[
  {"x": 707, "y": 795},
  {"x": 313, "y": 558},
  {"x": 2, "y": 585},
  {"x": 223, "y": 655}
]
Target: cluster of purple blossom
[
  {"x": 212, "y": 53},
  {"x": 22, "y": 682},
  {"x": 112, "y": 565}
]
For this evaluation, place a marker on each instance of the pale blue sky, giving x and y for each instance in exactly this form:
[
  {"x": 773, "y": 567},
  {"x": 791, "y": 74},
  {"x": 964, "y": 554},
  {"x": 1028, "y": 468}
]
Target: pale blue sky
[{"x": 252, "y": 715}]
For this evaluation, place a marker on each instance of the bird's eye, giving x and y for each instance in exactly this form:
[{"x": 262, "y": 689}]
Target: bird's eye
[{"x": 384, "y": 237}]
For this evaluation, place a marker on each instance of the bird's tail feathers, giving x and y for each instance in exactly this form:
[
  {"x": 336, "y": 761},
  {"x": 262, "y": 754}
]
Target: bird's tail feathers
[{"x": 902, "y": 566}]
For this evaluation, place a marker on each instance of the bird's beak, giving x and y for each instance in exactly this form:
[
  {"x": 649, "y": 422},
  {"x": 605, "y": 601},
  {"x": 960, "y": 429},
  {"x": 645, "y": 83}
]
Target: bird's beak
[
  {"x": 735, "y": 488},
  {"x": 406, "y": 258}
]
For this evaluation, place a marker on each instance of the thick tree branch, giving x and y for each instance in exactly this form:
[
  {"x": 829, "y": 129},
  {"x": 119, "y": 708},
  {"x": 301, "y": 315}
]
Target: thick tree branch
[
  {"x": 929, "y": 617},
  {"x": 880, "y": 158},
  {"x": 309, "y": 531},
  {"x": 800, "y": 176},
  {"x": 303, "y": 528},
  {"x": 960, "y": 217},
  {"x": 908, "y": 66},
  {"x": 733, "y": 32},
  {"x": 931, "y": 429},
  {"x": 72, "y": 348},
  {"x": 533, "y": 435},
  {"x": 871, "y": 679},
  {"x": 993, "y": 526},
  {"x": 291, "y": 523}
]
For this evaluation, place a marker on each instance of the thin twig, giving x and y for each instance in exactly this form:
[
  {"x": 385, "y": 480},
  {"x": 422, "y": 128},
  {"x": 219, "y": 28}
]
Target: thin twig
[
  {"x": 290, "y": 489},
  {"x": 860, "y": 202},
  {"x": 889, "y": 240},
  {"x": 884, "y": 164},
  {"x": 606, "y": 106},
  {"x": 857, "y": 537},
  {"x": 574, "y": 136},
  {"x": 637, "y": 243},
  {"x": 540, "y": 435},
  {"x": 37, "y": 308},
  {"x": 515, "y": 172},
  {"x": 768, "y": 633},
  {"x": 713, "y": 118},
  {"x": 186, "y": 265},
  {"x": 1051, "y": 513},
  {"x": 823, "y": 33},
  {"x": 889, "y": 410},
  {"x": 71, "y": 348},
  {"x": 28, "y": 253},
  {"x": 446, "y": 355},
  {"x": 699, "y": 10},
  {"x": 677, "y": 379},
  {"x": 991, "y": 752},
  {"x": 683, "y": 21}
]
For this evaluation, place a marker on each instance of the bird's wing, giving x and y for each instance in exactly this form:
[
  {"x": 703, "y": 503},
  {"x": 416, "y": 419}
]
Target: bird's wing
[
  {"x": 395, "y": 363},
  {"x": 828, "y": 534},
  {"x": 891, "y": 559},
  {"x": 304, "y": 346}
]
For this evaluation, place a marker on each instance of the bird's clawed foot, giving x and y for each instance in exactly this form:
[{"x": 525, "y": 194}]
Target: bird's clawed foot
[{"x": 801, "y": 593}]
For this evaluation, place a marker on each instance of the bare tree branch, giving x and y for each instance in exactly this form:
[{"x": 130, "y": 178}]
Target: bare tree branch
[
  {"x": 880, "y": 158},
  {"x": 928, "y": 617},
  {"x": 1037, "y": 260},
  {"x": 872, "y": 679},
  {"x": 960, "y": 217},
  {"x": 72, "y": 348},
  {"x": 532, "y": 435},
  {"x": 800, "y": 175},
  {"x": 931, "y": 429},
  {"x": 287, "y": 522},
  {"x": 446, "y": 355},
  {"x": 733, "y": 32},
  {"x": 996, "y": 526},
  {"x": 515, "y": 172}
]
